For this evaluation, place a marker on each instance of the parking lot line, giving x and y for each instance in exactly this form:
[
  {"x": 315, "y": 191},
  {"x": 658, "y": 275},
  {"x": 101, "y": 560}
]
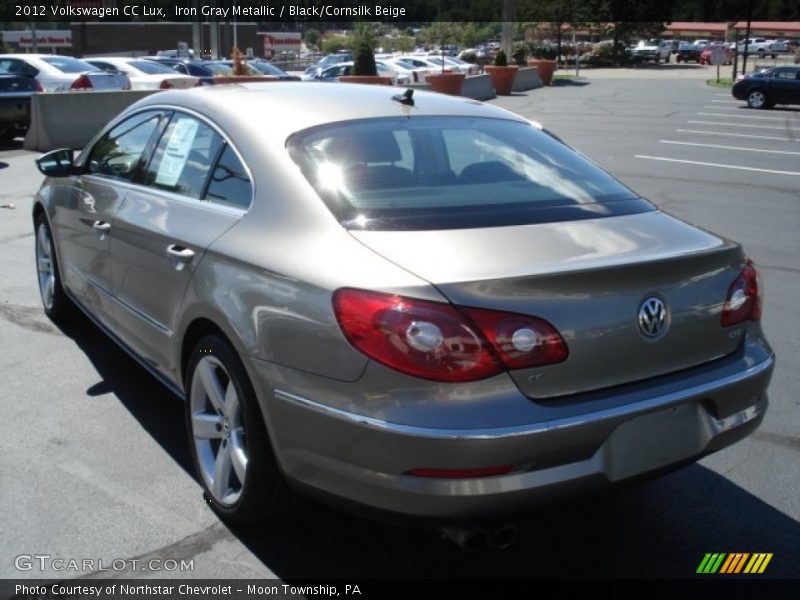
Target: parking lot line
[
  {"x": 705, "y": 114},
  {"x": 737, "y": 125},
  {"x": 721, "y": 166},
  {"x": 740, "y": 135},
  {"x": 729, "y": 101},
  {"x": 730, "y": 147}
]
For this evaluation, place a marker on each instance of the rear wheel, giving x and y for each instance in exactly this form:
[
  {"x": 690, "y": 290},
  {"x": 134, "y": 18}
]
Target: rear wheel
[
  {"x": 757, "y": 99},
  {"x": 229, "y": 443},
  {"x": 56, "y": 304}
]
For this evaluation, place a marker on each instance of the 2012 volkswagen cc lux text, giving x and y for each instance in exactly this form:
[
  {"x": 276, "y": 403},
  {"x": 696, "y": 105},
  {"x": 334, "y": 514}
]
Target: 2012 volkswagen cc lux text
[{"x": 417, "y": 303}]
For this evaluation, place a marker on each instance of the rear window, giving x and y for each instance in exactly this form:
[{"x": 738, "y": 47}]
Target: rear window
[
  {"x": 151, "y": 68},
  {"x": 453, "y": 172},
  {"x": 69, "y": 65}
]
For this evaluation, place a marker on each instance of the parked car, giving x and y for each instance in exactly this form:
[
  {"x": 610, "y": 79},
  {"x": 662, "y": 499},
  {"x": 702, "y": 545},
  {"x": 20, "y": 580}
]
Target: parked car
[
  {"x": 453, "y": 64},
  {"x": 144, "y": 74},
  {"x": 263, "y": 67},
  {"x": 328, "y": 61},
  {"x": 57, "y": 73},
  {"x": 688, "y": 53},
  {"x": 767, "y": 88},
  {"x": 705, "y": 55},
  {"x": 15, "y": 103},
  {"x": 204, "y": 70},
  {"x": 333, "y": 73},
  {"x": 651, "y": 50},
  {"x": 441, "y": 311},
  {"x": 760, "y": 47}
]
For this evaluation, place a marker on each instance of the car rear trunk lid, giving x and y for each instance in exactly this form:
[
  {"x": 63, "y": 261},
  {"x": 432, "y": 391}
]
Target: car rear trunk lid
[{"x": 589, "y": 279}]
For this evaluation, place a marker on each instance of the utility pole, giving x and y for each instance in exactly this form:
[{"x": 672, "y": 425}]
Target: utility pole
[{"x": 507, "y": 35}]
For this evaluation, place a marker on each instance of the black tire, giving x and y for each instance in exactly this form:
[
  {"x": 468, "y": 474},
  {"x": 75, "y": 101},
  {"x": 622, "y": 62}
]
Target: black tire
[
  {"x": 264, "y": 493},
  {"x": 59, "y": 308}
]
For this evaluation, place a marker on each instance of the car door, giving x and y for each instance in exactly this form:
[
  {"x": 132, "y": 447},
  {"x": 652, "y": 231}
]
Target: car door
[
  {"x": 783, "y": 86},
  {"x": 162, "y": 231},
  {"x": 85, "y": 210}
]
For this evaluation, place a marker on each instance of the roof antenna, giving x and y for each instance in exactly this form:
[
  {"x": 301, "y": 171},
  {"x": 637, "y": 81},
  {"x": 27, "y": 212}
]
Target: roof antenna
[{"x": 406, "y": 98}]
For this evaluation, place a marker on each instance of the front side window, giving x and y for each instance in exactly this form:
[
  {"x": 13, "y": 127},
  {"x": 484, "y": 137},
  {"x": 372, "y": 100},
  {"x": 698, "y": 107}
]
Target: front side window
[
  {"x": 120, "y": 152},
  {"x": 183, "y": 157},
  {"x": 453, "y": 172}
]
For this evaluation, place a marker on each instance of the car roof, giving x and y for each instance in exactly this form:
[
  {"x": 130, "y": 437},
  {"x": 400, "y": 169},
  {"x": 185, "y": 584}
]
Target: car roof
[{"x": 283, "y": 108}]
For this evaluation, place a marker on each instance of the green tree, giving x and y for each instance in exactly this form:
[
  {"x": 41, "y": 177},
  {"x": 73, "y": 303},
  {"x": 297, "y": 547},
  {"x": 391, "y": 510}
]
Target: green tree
[
  {"x": 335, "y": 43},
  {"x": 312, "y": 37}
]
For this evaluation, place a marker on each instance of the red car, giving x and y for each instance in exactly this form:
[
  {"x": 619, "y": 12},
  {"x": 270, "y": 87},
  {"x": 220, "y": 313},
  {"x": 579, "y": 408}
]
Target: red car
[{"x": 705, "y": 55}]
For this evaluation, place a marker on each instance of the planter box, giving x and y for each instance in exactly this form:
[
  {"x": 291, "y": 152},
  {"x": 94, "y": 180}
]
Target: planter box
[
  {"x": 502, "y": 78},
  {"x": 546, "y": 69},
  {"x": 446, "y": 83}
]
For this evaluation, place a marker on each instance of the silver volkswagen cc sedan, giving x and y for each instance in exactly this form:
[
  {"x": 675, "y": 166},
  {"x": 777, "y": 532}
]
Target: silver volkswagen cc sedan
[{"x": 416, "y": 303}]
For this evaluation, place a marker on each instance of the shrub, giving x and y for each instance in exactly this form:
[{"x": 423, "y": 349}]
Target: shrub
[
  {"x": 500, "y": 60},
  {"x": 520, "y": 55},
  {"x": 363, "y": 54},
  {"x": 470, "y": 57}
]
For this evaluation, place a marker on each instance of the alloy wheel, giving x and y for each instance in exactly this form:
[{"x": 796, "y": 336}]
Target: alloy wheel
[
  {"x": 44, "y": 266},
  {"x": 218, "y": 431}
]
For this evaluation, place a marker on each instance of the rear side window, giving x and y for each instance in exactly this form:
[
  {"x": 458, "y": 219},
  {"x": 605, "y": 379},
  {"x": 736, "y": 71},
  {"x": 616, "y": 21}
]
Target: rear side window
[
  {"x": 68, "y": 65},
  {"x": 229, "y": 183},
  {"x": 183, "y": 157},
  {"x": 453, "y": 172},
  {"x": 120, "y": 152}
]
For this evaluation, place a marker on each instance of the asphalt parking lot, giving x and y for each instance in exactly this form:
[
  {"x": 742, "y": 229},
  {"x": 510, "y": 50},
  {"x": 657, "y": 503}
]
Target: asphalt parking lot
[{"x": 95, "y": 461}]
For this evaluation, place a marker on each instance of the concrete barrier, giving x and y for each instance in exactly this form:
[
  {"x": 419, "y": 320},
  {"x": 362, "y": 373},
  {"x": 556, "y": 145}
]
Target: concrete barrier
[
  {"x": 417, "y": 86},
  {"x": 478, "y": 87},
  {"x": 71, "y": 119},
  {"x": 527, "y": 79}
]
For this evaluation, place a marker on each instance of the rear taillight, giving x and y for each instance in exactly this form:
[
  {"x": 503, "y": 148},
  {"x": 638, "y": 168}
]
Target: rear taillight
[
  {"x": 198, "y": 83},
  {"x": 39, "y": 87},
  {"x": 165, "y": 84},
  {"x": 443, "y": 342},
  {"x": 81, "y": 83},
  {"x": 743, "y": 302}
]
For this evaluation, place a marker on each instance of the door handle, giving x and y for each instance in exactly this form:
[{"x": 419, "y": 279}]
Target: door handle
[
  {"x": 180, "y": 252},
  {"x": 101, "y": 226}
]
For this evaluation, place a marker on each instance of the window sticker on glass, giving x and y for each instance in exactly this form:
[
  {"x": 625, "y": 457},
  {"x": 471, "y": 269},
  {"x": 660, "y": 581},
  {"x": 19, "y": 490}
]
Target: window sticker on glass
[{"x": 177, "y": 152}]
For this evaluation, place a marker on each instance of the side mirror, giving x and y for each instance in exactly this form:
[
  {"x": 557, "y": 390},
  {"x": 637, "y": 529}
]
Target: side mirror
[{"x": 57, "y": 163}]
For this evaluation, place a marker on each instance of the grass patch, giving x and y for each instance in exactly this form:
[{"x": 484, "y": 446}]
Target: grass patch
[
  {"x": 566, "y": 76},
  {"x": 724, "y": 82}
]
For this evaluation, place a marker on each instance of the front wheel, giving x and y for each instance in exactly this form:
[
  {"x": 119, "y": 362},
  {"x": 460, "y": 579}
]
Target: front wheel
[
  {"x": 757, "y": 99},
  {"x": 56, "y": 304},
  {"x": 229, "y": 443}
]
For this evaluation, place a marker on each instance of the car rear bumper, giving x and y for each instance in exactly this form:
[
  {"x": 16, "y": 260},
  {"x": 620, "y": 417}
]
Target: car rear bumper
[{"x": 340, "y": 454}]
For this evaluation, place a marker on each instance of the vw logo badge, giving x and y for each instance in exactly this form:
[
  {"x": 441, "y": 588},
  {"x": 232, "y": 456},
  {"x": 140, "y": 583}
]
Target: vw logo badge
[{"x": 652, "y": 317}]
